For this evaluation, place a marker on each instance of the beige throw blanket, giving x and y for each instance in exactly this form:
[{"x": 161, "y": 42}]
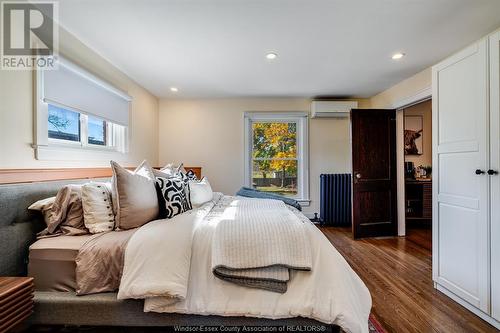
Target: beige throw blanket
[{"x": 256, "y": 243}]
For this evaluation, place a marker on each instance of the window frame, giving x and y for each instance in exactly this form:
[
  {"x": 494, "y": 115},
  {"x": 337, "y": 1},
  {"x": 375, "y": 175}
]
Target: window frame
[
  {"x": 108, "y": 126},
  {"x": 65, "y": 150},
  {"x": 63, "y": 141},
  {"x": 302, "y": 134}
]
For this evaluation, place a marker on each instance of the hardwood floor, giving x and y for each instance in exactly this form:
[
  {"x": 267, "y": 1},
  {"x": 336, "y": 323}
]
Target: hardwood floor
[
  {"x": 398, "y": 274},
  {"x": 420, "y": 236}
]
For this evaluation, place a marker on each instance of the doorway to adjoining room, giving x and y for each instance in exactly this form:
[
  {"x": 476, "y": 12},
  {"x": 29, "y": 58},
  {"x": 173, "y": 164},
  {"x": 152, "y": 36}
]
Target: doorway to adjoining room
[{"x": 418, "y": 173}]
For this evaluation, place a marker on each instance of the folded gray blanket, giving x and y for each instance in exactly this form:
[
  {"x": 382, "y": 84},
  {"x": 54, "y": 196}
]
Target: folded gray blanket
[
  {"x": 253, "y": 193},
  {"x": 256, "y": 243}
]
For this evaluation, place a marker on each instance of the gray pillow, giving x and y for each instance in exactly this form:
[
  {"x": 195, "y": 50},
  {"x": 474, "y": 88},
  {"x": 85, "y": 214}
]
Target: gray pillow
[{"x": 134, "y": 196}]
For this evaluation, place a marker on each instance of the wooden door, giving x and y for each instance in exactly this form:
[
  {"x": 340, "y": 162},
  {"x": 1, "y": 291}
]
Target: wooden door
[
  {"x": 460, "y": 179},
  {"x": 494, "y": 176},
  {"x": 374, "y": 173}
]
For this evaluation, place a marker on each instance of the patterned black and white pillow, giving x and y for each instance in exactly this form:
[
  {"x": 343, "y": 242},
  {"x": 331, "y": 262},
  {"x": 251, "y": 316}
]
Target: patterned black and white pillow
[
  {"x": 187, "y": 176},
  {"x": 173, "y": 193},
  {"x": 191, "y": 175}
]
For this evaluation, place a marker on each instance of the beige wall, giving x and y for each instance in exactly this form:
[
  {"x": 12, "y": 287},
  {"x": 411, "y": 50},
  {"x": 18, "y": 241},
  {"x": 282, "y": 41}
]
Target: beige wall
[
  {"x": 404, "y": 89},
  {"x": 425, "y": 110},
  {"x": 16, "y": 112},
  {"x": 204, "y": 132},
  {"x": 209, "y": 133}
]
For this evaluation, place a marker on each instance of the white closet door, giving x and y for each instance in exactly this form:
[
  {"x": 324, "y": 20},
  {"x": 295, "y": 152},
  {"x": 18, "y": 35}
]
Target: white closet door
[
  {"x": 495, "y": 179},
  {"x": 460, "y": 207}
]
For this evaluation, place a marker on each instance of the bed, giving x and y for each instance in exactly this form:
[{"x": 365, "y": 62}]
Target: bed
[
  {"x": 51, "y": 262},
  {"x": 55, "y": 299}
]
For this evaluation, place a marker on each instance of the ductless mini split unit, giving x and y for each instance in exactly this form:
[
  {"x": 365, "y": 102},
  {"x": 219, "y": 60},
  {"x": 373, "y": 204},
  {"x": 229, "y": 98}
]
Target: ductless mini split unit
[{"x": 332, "y": 109}]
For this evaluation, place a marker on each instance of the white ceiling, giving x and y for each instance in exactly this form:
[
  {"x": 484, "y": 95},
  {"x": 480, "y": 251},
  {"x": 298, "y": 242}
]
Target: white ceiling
[{"x": 216, "y": 48}]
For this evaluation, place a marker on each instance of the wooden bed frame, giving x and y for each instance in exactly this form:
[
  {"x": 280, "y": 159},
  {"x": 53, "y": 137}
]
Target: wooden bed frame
[{"x": 15, "y": 176}]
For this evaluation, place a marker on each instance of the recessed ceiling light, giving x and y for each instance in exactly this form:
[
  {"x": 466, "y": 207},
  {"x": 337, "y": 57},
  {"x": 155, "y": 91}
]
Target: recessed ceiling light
[
  {"x": 271, "y": 56},
  {"x": 174, "y": 89},
  {"x": 397, "y": 56}
]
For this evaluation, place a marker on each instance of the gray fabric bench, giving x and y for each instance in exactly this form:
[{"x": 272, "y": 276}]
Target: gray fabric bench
[{"x": 18, "y": 228}]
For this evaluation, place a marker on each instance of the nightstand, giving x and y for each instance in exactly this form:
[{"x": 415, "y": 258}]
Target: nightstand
[{"x": 16, "y": 301}]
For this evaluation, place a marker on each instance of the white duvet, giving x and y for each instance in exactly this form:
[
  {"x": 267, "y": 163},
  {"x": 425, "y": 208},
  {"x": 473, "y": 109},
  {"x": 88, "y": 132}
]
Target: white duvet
[{"x": 168, "y": 263}]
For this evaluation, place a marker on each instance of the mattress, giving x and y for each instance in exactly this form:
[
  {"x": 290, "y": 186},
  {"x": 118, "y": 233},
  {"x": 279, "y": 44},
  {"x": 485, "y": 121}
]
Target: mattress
[{"x": 52, "y": 262}]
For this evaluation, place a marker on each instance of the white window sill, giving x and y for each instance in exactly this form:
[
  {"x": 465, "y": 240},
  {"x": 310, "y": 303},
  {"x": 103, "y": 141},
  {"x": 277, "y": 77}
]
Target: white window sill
[
  {"x": 304, "y": 202},
  {"x": 77, "y": 153}
]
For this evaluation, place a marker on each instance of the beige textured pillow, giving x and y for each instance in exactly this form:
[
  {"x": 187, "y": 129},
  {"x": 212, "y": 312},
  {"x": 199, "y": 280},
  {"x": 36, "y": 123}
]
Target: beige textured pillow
[
  {"x": 98, "y": 213},
  {"x": 44, "y": 206},
  {"x": 66, "y": 213},
  {"x": 135, "y": 199}
]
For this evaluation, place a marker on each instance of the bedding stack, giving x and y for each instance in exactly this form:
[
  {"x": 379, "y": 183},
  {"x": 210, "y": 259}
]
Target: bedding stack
[
  {"x": 256, "y": 248},
  {"x": 82, "y": 248},
  {"x": 130, "y": 200},
  {"x": 165, "y": 237},
  {"x": 185, "y": 283}
]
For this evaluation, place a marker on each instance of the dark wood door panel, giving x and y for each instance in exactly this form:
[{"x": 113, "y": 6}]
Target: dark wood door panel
[
  {"x": 374, "y": 172},
  {"x": 376, "y": 202},
  {"x": 380, "y": 229},
  {"x": 380, "y": 220},
  {"x": 367, "y": 185},
  {"x": 372, "y": 155}
]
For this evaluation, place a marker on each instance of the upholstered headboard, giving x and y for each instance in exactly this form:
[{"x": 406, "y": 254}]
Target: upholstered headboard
[{"x": 18, "y": 225}]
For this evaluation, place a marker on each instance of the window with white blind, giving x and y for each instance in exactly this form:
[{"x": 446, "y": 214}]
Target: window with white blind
[{"x": 79, "y": 116}]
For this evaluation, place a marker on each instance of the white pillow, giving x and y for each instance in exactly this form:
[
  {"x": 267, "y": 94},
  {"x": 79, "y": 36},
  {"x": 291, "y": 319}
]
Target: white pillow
[
  {"x": 171, "y": 169},
  {"x": 200, "y": 192},
  {"x": 97, "y": 207}
]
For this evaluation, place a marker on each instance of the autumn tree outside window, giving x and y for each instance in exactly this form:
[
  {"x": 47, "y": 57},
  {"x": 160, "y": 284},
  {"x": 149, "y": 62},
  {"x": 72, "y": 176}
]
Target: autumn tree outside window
[{"x": 276, "y": 153}]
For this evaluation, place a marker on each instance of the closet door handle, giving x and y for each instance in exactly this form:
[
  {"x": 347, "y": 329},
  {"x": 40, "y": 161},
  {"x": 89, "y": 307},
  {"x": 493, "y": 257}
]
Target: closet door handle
[
  {"x": 492, "y": 172},
  {"x": 480, "y": 172}
]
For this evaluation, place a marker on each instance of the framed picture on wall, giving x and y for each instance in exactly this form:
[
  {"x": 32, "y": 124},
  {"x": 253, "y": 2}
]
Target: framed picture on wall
[{"x": 414, "y": 135}]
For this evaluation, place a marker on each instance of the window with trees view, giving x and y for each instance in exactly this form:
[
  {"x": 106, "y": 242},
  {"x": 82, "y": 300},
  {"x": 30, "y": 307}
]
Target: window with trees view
[
  {"x": 63, "y": 124},
  {"x": 276, "y": 153},
  {"x": 275, "y": 157},
  {"x": 69, "y": 126}
]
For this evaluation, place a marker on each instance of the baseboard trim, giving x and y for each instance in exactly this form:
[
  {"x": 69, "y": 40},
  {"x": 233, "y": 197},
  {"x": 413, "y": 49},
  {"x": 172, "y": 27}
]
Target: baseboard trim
[
  {"x": 309, "y": 215},
  {"x": 468, "y": 306}
]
